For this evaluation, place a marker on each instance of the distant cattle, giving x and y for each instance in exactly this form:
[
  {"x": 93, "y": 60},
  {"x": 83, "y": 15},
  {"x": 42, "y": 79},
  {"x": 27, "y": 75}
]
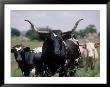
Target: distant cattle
[
  {"x": 57, "y": 49},
  {"x": 89, "y": 54}
]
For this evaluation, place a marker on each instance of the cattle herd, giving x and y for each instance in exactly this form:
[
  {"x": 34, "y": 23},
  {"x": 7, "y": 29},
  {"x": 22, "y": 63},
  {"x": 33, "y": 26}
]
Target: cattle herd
[{"x": 61, "y": 53}]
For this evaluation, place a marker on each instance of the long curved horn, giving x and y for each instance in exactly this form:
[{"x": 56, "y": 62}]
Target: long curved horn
[
  {"x": 76, "y": 24},
  {"x": 68, "y": 34},
  {"x": 36, "y": 29},
  {"x": 43, "y": 32},
  {"x": 32, "y": 26}
]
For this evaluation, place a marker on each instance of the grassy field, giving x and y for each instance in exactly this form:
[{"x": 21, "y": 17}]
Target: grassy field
[{"x": 16, "y": 72}]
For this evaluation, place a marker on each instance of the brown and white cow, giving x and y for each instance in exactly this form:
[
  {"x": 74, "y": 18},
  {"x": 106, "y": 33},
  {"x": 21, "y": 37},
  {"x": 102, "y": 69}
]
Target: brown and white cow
[{"x": 89, "y": 54}]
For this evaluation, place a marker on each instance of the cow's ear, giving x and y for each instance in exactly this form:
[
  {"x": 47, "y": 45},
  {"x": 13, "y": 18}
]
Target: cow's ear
[
  {"x": 97, "y": 45},
  {"x": 12, "y": 50},
  {"x": 84, "y": 46}
]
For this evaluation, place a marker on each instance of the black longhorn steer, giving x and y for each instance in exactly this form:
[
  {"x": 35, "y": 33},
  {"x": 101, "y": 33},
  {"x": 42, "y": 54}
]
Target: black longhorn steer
[
  {"x": 54, "y": 54},
  {"x": 55, "y": 50}
]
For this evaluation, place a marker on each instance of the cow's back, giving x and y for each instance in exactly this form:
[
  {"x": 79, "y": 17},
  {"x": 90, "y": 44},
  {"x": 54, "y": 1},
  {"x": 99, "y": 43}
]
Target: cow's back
[{"x": 72, "y": 49}]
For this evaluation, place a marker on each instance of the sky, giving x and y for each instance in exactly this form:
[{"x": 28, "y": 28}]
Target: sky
[{"x": 62, "y": 19}]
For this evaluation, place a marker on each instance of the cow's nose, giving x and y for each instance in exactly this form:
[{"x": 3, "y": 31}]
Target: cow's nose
[{"x": 90, "y": 56}]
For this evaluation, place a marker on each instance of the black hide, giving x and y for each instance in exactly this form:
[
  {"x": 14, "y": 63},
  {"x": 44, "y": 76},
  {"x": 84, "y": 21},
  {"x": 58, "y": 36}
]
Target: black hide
[{"x": 54, "y": 53}]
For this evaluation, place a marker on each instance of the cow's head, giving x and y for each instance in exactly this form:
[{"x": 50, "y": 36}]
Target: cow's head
[
  {"x": 53, "y": 42},
  {"x": 90, "y": 47},
  {"x": 56, "y": 40},
  {"x": 17, "y": 50}
]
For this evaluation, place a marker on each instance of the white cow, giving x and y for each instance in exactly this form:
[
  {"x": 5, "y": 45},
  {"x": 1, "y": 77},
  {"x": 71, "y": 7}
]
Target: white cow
[{"x": 89, "y": 54}]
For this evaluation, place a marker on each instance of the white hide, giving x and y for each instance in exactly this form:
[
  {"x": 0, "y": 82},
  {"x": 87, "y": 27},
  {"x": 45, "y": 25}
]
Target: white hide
[
  {"x": 92, "y": 51},
  {"x": 83, "y": 52},
  {"x": 18, "y": 48},
  {"x": 54, "y": 34},
  {"x": 37, "y": 50},
  {"x": 32, "y": 72},
  {"x": 88, "y": 51}
]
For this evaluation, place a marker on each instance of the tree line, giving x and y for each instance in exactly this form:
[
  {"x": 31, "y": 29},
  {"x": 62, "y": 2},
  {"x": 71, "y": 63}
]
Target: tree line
[{"x": 32, "y": 35}]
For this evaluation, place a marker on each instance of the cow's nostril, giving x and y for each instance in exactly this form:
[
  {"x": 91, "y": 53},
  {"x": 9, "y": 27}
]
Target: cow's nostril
[{"x": 90, "y": 56}]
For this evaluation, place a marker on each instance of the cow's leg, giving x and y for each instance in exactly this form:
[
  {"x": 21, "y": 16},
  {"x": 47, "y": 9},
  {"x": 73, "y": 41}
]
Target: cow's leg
[
  {"x": 87, "y": 63},
  {"x": 45, "y": 74},
  {"x": 80, "y": 62},
  {"x": 62, "y": 71},
  {"x": 90, "y": 63},
  {"x": 93, "y": 63},
  {"x": 26, "y": 73},
  {"x": 72, "y": 68},
  {"x": 47, "y": 71}
]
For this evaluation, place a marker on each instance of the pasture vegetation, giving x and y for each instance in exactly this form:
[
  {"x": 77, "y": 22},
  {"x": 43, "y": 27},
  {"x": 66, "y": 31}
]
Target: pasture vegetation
[{"x": 81, "y": 72}]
